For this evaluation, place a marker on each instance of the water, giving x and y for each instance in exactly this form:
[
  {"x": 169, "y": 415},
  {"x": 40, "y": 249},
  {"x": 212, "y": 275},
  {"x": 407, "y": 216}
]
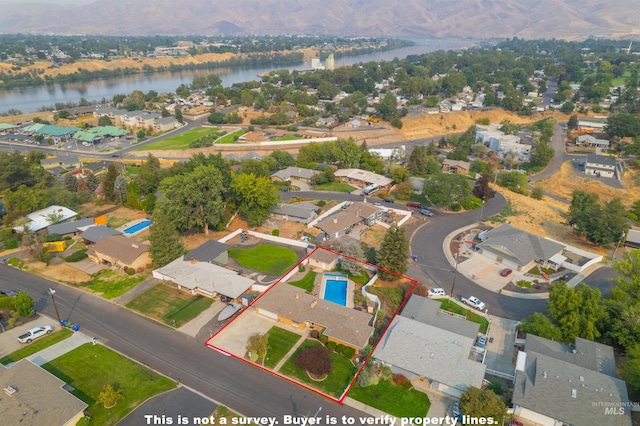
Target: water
[
  {"x": 30, "y": 99},
  {"x": 336, "y": 291},
  {"x": 137, "y": 227}
]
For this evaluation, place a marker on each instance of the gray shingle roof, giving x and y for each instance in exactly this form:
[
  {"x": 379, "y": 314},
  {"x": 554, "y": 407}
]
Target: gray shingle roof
[
  {"x": 567, "y": 392},
  {"x": 427, "y": 311},
  {"x": 295, "y": 172},
  {"x": 96, "y": 233},
  {"x": 294, "y": 211},
  {"x": 430, "y": 352},
  {"x": 207, "y": 252},
  {"x": 601, "y": 159},
  {"x": 121, "y": 248},
  {"x": 519, "y": 246},
  {"x": 346, "y": 218},
  {"x": 69, "y": 227}
]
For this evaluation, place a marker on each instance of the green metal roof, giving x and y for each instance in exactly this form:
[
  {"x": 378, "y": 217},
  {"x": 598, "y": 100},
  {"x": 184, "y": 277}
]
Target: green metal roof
[
  {"x": 49, "y": 130},
  {"x": 5, "y": 126},
  {"x": 109, "y": 131},
  {"x": 85, "y": 136}
]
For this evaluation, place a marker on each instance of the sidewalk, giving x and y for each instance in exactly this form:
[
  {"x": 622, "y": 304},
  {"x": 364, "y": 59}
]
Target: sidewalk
[
  {"x": 192, "y": 328},
  {"x": 291, "y": 351}
]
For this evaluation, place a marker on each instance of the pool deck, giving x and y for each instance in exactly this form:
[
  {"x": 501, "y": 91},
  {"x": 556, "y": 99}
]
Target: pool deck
[
  {"x": 130, "y": 224},
  {"x": 350, "y": 287}
]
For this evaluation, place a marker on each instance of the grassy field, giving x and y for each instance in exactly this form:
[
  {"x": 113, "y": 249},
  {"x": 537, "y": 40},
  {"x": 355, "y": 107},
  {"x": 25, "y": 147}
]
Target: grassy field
[
  {"x": 392, "y": 399},
  {"x": 170, "y": 305},
  {"x": 286, "y": 138},
  {"x": 280, "y": 342},
  {"x": 450, "y": 306},
  {"x": 335, "y": 187},
  {"x": 306, "y": 282},
  {"x": 90, "y": 368},
  {"x": 180, "y": 141},
  {"x": 111, "y": 284},
  {"x": 37, "y": 346},
  {"x": 132, "y": 170},
  {"x": 342, "y": 372},
  {"x": 230, "y": 138},
  {"x": 267, "y": 258}
]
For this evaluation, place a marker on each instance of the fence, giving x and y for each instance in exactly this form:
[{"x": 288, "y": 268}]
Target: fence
[{"x": 500, "y": 374}]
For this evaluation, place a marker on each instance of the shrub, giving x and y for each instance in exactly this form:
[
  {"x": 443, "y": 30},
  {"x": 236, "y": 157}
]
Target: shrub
[
  {"x": 11, "y": 322},
  {"x": 349, "y": 352},
  {"x": 130, "y": 271},
  {"x": 340, "y": 348},
  {"x": 331, "y": 346},
  {"x": 314, "y": 334},
  {"x": 77, "y": 256},
  {"x": 323, "y": 339},
  {"x": 11, "y": 243},
  {"x": 275, "y": 232},
  {"x": 321, "y": 203},
  {"x": 19, "y": 323},
  {"x": 496, "y": 387},
  {"x": 315, "y": 359},
  {"x": 400, "y": 380},
  {"x": 7, "y": 302},
  {"x": 301, "y": 268},
  {"x": 455, "y": 207},
  {"x": 524, "y": 283},
  {"x": 471, "y": 203}
]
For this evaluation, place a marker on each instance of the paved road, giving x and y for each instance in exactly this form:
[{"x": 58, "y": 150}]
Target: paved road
[{"x": 230, "y": 382}]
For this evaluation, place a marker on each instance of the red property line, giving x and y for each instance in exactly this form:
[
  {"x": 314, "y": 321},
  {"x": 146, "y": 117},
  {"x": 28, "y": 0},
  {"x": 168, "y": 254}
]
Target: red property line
[{"x": 339, "y": 400}]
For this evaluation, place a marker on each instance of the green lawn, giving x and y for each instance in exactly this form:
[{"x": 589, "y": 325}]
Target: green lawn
[
  {"x": 335, "y": 187},
  {"x": 90, "y": 368},
  {"x": 37, "y": 346},
  {"x": 342, "y": 372},
  {"x": 111, "y": 284},
  {"x": 267, "y": 258},
  {"x": 286, "y": 138},
  {"x": 230, "y": 138},
  {"x": 180, "y": 141},
  {"x": 306, "y": 282},
  {"x": 392, "y": 399},
  {"x": 450, "y": 306},
  {"x": 170, "y": 305},
  {"x": 132, "y": 170},
  {"x": 280, "y": 342}
]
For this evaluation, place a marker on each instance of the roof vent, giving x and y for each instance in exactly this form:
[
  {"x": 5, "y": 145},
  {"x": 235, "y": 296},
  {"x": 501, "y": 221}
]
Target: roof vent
[
  {"x": 10, "y": 390},
  {"x": 574, "y": 393},
  {"x": 582, "y": 378},
  {"x": 544, "y": 374},
  {"x": 432, "y": 356},
  {"x": 135, "y": 246}
]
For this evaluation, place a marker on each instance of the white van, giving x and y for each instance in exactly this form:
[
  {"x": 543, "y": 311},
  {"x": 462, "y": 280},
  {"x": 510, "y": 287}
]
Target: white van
[{"x": 436, "y": 292}]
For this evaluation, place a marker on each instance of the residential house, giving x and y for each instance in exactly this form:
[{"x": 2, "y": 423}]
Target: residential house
[
  {"x": 66, "y": 162},
  {"x": 456, "y": 167},
  {"x": 101, "y": 166},
  {"x": 353, "y": 123},
  {"x": 204, "y": 277},
  {"x": 325, "y": 122},
  {"x": 164, "y": 124},
  {"x": 139, "y": 119},
  {"x": 299, "y": 212},
  {"x": 341, "y": 222},
  {"x": 33, "y": 396},
  {"x": 44, "y": 218},
  {"x": 362, "y": 178},
  {"x": 600, "y": 165},
  {"x": 121, "y": 252},
  {"x": 70, "y": 227},
  {"x": 323, "y": 259},
  {"x": 293, "y": 306},
  {"x": 212, "y": 251},
  {"x": 253, "y": 137},
  {"x": 252, "y": 156},
  {"x": 426, "y": 345},
  {"x": 592, "y": 123},
  {"x": 114, "y": 114},
  {"x": 557, "y": 384},
  {"x": 418, "y": 184},
  {"x": 519, "y": 249},
  {"x": 633, "y": 239},
  {"x": 93, "y": 234},
  {"x": 589, "y": 140},
  {"x": 294, "y": 173}
]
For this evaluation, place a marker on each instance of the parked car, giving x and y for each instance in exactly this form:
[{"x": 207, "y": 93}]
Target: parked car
[
  {"x": 505, "y": 272},
  {"x": 389, "y": 200},
  {"x": 474, "y": 302},
  {"x": 10, "y": 293},
  {"x": 482, "y": 343},
  {"x": 426, "y": 212},
  {"x": 414, "y": 205},
  {"x": 436, "y": 292},
  {"x": 378, "y": 204},
  {"x": 34, "y": 333}
]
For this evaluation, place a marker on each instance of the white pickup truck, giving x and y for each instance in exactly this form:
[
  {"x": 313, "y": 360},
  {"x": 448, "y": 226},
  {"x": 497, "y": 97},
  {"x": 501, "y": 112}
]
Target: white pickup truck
[
  {"x": 474, "y": 302},
  {"x": 34, "y": 333}
]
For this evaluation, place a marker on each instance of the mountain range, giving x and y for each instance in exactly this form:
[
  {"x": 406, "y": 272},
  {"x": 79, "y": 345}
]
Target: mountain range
[{"x": 567, "y": 19}]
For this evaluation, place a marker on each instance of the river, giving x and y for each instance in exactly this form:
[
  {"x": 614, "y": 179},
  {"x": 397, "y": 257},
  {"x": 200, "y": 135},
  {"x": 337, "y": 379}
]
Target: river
[{"x": 30, "y": 99}]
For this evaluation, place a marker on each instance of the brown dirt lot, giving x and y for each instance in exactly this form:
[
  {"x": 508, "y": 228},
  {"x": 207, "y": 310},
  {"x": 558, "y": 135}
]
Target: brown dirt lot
[
  {"x": 373, "y": 236},
  {"x": 61, "y": 272}
]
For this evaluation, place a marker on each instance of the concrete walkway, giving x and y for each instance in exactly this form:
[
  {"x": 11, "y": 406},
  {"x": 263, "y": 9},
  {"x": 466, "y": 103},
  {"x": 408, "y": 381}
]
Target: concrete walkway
[
  {"x": 192, "y": 328},
  {"x": 136, "y": 291},
  {"x": 59, "y": 349},
  {"x": 291, "y": 351}
]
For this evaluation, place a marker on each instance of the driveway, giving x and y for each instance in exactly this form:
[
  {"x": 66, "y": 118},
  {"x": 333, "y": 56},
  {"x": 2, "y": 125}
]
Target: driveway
[
  {"x": 500, "y": 347},
  {"x": 88, "y": 266},
  {"x": 485, "y": 272},
  {"x": 9, "y": 339}
]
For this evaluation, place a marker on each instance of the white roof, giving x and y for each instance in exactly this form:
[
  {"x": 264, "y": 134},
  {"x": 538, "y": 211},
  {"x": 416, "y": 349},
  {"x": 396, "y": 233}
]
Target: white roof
[
  {"x": 43, "y": 218},
  {"x": 205, "y": 276}
]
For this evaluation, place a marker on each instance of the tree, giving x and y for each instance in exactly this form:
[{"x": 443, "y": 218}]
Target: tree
[
  {"x": 540, "y": 325},
  {"x": 257, "y": 346},
  {"x": 482, "y": 189},
  {"x": 110, "y": 396},
  {"x": 393, "y": 253},
  {"x": 24, "y": 304},
  {"x": 417, "y": 163},
  {"x": 630, "y": 370},
  {"x": 283, "y": 159},
  {"x": 355, "y": 251},
  {"x": 622, "y": 125},
  {"x": 178, "y": 114},
  {"x": 315, "y": 360},
  {"x": 192, "y": 199},
  {"x": 400, "y": 174},
  {"x": 567, "y": 107},
  {"x": 164, "y": 112},
  {"x": 104, "y": 120},
  {"x": 537, "y": 193},
  {"x": 446, "y": 189},
  {"x": 92, "y": 181},
  {"x": 166, "y": 244},
  {"x": 573, "y": 121},
  {"x": 387, "y": 106},
  {"x": 150, "y": 175},
  {"x": 120, "y": 187},
  {"x": 404, "y": 190},
  {"x": 216, "y": 118},
  {"x": 108, "y": 183},
  {"x": 629, "y": 269},
  {"x": 514, "y": 181},
  {"x": 483, "y": 403},
  {"x": 577, "y": 310},
  {"x": 70, "y": 182},
  {"x": 254, "y": 196}
]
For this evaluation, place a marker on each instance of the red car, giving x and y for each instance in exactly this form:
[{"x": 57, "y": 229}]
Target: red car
[{"x": 505, "y": 272}]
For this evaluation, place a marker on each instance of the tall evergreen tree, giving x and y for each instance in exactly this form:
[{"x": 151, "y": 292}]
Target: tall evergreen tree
[
  {"x": 92, "y": 181},
  {"x": 165, "y": 241},
  {"x": 394, "y": 252},
  {"x": 70, "y": 182},
  {"x": 108, "y": 183}
]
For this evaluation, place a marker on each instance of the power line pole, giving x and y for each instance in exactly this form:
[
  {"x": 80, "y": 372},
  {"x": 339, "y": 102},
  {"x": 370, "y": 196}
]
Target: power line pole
[{"x": 52, "y": 292}]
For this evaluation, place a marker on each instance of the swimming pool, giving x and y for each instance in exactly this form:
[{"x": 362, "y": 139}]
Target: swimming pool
[
  {"x": 137, "y": 227},
  {"x": 336, "y": 291}
]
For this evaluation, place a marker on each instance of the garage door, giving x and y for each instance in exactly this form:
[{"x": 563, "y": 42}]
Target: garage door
[{"x": 268, "y": 314}]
